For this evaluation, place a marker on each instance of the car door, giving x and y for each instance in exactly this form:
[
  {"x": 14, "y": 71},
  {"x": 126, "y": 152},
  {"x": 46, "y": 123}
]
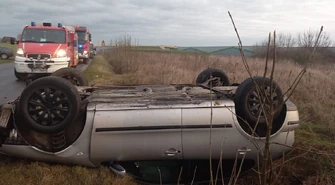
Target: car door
[
  {"x": 196, "y": 132},
  {"x": 138, "y": 134}
]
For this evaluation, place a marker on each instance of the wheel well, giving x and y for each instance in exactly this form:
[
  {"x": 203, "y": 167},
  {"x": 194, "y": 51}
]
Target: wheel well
[
  {"x": 52, "y": 142},
  {"x": 260, "y": 131}
]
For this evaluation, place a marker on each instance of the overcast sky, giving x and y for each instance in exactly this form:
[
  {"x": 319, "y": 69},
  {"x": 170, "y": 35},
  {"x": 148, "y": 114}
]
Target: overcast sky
[{"x": 173, "y": 22}]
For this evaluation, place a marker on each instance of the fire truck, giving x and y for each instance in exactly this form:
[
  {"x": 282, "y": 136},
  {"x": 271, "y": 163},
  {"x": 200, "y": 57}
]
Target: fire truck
[
  {"x": 43, "y": 49},
  {"x": 84, "y": 41}
]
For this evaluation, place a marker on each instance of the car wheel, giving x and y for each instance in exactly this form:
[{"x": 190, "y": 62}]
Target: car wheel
[
  {"x": 4, "y": 56},
  {"x": 207, "y": 73},
  {"x": 248, "y": 103},
  {"x": 73, "y": 75},
  {"x": 49, "y": 104},
  {"x": 20, "y": 76}
]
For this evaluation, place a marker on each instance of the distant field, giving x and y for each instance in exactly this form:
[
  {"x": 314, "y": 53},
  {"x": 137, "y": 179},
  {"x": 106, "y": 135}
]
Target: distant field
[{"x": 13, "y": 47}]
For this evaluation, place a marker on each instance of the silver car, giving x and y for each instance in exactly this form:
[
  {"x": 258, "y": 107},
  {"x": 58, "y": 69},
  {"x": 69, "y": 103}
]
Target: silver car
[
  {"x": 56, "y": 121},
  {"x": 6, "y": 53}
]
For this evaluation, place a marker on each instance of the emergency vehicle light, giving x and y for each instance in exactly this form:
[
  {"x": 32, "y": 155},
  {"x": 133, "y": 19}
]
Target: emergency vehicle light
[
  {"x": 80, "y": 46},
  {"x": 59, "y": 24},
  {"x": 46, "y": 24},
  {"x": 33, "y": 24}
]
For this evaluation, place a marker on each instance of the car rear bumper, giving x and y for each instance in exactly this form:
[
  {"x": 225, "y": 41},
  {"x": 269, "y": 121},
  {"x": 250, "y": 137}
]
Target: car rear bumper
[{"x": 25, "y": 65}]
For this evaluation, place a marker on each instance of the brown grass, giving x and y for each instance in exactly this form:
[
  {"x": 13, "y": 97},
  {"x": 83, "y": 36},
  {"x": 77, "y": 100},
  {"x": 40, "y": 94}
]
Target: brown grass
[{"x": 17, "y": 171}]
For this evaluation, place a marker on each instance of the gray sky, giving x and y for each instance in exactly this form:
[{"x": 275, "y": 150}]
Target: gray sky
[{"x": 173, "y": 22}]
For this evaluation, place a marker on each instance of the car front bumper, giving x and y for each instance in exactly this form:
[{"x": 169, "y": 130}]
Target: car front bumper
[
  {"x": 81, "y": 56},
  {"x": 25, "y": 65}
]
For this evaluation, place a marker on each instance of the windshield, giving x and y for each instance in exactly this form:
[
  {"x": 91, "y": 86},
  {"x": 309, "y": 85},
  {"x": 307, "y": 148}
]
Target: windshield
[
  {"x": 81, "y": 36},
  {"x": 43, "y": 36}
]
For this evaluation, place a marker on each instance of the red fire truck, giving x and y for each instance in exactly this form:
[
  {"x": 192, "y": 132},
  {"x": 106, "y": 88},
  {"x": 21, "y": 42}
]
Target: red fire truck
[
  {"x": 43, "y": 49},
  {"x": 84, "y": 40}
]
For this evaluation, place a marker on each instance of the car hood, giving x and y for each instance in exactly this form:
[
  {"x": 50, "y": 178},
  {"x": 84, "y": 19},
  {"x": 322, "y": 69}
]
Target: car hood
[{"x": 42, "y": 47}]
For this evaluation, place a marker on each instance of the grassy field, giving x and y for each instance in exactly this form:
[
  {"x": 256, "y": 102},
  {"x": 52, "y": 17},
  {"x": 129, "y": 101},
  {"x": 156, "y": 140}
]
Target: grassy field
[
  {"x": 13, "y": 47},
  {"x": 313, "y": 97}
]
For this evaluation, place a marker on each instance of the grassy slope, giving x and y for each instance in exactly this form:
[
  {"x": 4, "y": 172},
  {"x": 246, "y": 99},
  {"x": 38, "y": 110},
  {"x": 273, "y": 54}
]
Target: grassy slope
[{"x": 13, "y": 47}]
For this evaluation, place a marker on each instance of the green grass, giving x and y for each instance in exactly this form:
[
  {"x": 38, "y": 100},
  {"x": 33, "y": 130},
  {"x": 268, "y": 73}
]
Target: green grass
[
  {"x": 316, "y": 135},
  {"x": 99, "y": 73}
]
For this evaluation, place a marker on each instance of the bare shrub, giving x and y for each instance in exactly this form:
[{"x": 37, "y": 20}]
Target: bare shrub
[
  {"x": 299, "y": 48},
  {"x": 121, "y": 57},
  {"x": 308, "y": 38}
]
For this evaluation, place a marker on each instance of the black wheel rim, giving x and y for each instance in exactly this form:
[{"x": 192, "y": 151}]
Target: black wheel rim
[
  {"x": 254, "y": 101},
  {"x": 72, "y": 79},
  {"x": 48, "y": 106}
]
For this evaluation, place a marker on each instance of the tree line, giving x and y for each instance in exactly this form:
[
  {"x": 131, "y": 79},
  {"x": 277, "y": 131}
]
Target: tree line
[{"x": 297, "y": 47}]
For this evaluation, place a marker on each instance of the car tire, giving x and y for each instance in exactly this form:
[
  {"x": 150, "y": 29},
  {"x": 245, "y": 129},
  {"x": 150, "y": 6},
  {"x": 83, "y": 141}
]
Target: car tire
[
  {"x": 49, "y": 97},
  {"x": 73, "y": 75},
  {"x": 20, "y": 76},
  {"x": 4, "y": 56},
  {"x": 245, "y": 98},
  {"x": 206, "y": 74}
]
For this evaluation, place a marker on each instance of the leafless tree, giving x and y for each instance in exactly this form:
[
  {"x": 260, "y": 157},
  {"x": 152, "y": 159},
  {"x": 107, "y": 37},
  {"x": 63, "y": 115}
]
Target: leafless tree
[{"x": 308, "y": 38}]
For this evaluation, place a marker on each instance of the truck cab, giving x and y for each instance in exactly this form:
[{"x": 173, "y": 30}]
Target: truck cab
[
  {"x": 43, "y": 49},
  {"x": 84, "y": 41}
]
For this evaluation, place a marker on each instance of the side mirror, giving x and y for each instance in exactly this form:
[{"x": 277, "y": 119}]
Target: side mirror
[
  {"x": 17, "y": 42},
  {"x": 69, "y": 44},
  {"x": 94, "y": 49}
]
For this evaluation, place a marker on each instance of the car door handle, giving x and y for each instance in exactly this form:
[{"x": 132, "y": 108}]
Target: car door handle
[
  {"x": 172, "y": 152},
  {"x": 243, "y": 150}
]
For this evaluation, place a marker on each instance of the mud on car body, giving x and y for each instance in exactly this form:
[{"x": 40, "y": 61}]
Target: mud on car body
[{"x": 56, "y": 121}]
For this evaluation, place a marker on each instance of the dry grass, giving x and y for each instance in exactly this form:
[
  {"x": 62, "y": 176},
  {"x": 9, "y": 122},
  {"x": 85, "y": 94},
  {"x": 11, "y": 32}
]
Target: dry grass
[{"x": 17, "y": 171}]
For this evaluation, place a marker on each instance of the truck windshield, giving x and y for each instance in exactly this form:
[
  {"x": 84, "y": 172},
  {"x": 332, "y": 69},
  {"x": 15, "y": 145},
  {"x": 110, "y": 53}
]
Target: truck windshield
[
  {"x": 43, "y": 36},
  {"x": 81, "y": 36}
]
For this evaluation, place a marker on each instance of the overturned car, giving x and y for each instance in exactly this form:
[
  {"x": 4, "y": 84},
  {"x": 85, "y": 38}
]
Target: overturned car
[{"x": 55, "y": 120}]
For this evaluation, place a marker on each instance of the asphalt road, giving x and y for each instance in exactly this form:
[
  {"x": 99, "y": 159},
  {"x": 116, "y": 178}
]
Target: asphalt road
[{"x": 10, "y": 87}]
